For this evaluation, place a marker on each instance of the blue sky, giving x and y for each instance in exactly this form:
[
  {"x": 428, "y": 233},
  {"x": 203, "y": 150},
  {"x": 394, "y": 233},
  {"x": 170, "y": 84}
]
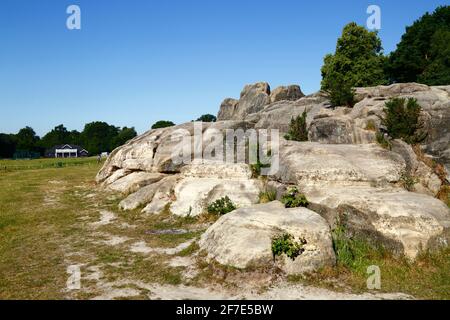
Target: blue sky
[{"x": 135, "y": 62}]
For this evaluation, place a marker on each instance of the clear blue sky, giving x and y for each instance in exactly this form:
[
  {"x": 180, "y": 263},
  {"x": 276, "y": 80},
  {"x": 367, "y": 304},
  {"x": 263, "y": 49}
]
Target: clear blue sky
[{"x": 135, "y": 62}]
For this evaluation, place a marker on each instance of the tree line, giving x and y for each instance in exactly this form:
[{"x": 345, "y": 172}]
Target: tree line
[
  {"x": 96, "y": 137},
  {"x": 422, "y": 56}
]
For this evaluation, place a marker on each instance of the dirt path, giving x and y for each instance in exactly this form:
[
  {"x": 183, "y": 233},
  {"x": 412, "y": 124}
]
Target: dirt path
[{"x": 123, "y": 256}]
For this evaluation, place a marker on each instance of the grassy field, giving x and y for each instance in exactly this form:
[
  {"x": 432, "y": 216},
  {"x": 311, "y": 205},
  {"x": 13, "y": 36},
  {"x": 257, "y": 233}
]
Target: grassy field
[
  {"x": 13, "y": 165},
  {"x": 55, "y": 217},
  {"x": 50, "y": 219}
]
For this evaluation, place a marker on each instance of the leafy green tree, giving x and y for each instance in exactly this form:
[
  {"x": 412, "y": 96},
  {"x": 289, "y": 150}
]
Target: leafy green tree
[
  {"x": 438, "y": 71},
  {"x": 27, "y": 140},
  {"x": 423, "y": 52},
  {"x": 162, "y": 124},
  {"x": 99, "y": 137},
  {"x": 59, "y": 135},
  {"x": 207, "y": 118},
  {"x": 7, "y": 145},
  {"x": 357, "y": 62},
  {"x": 75, "y": 138},
  {"x": 124, "y": 135}
]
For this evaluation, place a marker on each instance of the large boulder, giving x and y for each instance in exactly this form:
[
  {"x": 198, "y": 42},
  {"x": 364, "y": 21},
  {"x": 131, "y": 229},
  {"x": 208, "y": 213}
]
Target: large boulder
[
  {"x": 253, "y": 99},
  {"x": 153, "y": 151},
  {"x": 362, "y": 181},
  {"x": 311, "y": 163},
  {"x": 146, "y": 194},
  {"x": 405, "y": 222},
  {"x": 278, "y": 115},
  {"x": 290, "y": 93},
  {"x": 201, "y": 185},
  {"x": 134, "y": 181},
  {"x": 243, "y": 238},
  {"x": 227, "y": 109}
]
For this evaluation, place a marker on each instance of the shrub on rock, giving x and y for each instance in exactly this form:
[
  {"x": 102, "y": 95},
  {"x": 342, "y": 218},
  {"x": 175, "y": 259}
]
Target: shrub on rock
[
  {"x": 285, "y": 243},
  {"x": 402, "y": 120},
  {"x": 294, "y": 199},
  {"x": 221, "y": 206},
  {"x": 298, "y": 130},
  {"x": 162, "y": 124}
]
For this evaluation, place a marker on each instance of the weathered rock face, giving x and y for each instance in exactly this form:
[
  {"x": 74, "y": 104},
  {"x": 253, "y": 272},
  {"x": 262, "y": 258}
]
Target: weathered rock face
[
  {"x": 253, "y": 98},
  {"x": 404, "y": 222},
  {"x": 243, "y": 238},
  {"x": 153, "y": 151},
  {"x": 134, "y": 181},
  {"x": 278, "y": 115},
  {"x": 360, "y": 180},
  {"x": 310, "y": 163},
  {"x": 356, "y": 125},
  {"x": 201, "y": 185},
  {"x": 342, "y": 172},
  {"x": 291, "y": 93},
  {"x": 227, "y": 109},
  {"x": 146, "y": 194}
]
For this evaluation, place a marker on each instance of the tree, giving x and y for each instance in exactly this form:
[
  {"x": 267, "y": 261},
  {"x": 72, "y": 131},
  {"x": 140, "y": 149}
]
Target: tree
[
  {"x": 207, "y": 118},
  {"x": 298, "y": 129},
  {"x": 7, "y": 145},
  {"x": 124, "y": 135},
  {"x": 59, "y": 135},
  {"x": 438, "y": 71},
  {"x": 162, "y": 124},
  {"x": 98, "y": 137},
  {"x": 423, "y": 52},
  {"x": 75, "y": 138},
  {"x": 339, "y": 91},
  {"x": 357, "y": 62},
  {"x": 27, "y": 140}
]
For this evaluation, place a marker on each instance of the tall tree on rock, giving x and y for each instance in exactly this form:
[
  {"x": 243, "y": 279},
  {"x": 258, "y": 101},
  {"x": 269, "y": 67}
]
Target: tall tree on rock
[{"x": 357, "y": 62}]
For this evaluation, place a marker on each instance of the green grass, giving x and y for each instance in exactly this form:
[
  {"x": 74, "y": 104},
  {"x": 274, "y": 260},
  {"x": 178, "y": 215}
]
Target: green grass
[
  {"x": 13, "y": 165},
  {"x": 45, "y": 217},
  {"x": 32, "y": 262}
]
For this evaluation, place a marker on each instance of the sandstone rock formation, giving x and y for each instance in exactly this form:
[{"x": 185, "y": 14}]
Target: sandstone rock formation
[
  {"x": 342, "y": 171},
  {"x": 291, "y": 93},
  {"x": 243, "y": 238}
]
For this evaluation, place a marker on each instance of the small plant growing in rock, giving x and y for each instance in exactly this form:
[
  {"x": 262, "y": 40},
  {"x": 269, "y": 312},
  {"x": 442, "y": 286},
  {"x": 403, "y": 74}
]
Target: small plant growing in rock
[
  {"x": 407, "y": 181},
  {"x": 256, "y": 167},
  {"x": 221, "y": 206},
  {"x": 402, "y": 120},
  {"x": 268, "y": 195},
  {"x": 383, "y": 141},
  {"x": 285, "y": 243},
  {"x": 371, "y": 126},
  {"x": 294, "y": 199},
  {"x": 298, "y": 130}
]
